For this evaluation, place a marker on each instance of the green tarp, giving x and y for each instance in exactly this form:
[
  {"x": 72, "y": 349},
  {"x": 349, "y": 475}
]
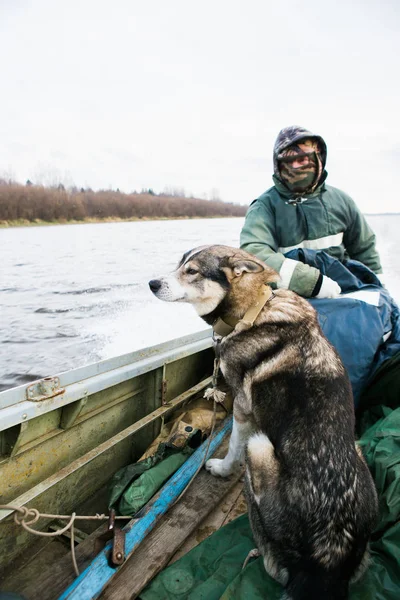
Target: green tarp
[
  {"x": 213, "y": 569},
  {"x": 132, "y": 486}
]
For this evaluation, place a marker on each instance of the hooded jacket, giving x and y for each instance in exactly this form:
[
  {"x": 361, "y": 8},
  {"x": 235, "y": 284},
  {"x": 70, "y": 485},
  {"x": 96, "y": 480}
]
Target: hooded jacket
[{"x": 325, "y": 219}]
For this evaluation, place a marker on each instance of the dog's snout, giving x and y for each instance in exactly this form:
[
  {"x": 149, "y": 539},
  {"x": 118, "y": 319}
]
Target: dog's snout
[{"x": 154, "y": 285}]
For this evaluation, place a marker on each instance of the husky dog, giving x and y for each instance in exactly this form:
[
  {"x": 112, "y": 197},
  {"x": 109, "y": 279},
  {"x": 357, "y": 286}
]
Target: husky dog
[{"x": 312, "y": 502}]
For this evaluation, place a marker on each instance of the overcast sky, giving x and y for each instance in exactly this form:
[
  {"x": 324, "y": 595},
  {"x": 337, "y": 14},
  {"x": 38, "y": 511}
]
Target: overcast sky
[{"x": 184, "y": 94}]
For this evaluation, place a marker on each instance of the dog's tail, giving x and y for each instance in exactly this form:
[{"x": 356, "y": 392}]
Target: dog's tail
[{"x": 315, "y": 586}]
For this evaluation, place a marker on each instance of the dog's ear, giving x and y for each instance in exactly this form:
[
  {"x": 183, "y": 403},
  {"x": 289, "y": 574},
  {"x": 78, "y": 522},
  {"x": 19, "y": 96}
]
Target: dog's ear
[
  {"x": 246, "y": 266},
  {"x": 237, "y": 267}
]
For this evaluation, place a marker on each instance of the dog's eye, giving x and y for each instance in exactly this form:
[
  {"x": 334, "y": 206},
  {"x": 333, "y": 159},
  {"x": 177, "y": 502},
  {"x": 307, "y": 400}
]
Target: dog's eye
[{"x": 191, "y": 272}]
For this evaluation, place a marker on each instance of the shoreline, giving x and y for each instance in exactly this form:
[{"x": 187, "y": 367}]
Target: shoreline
[
  {"x": 4, "y": 224},
  {"x": 39, "y": 223}
]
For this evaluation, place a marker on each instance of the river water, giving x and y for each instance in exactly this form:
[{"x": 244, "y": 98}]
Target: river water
[{"x": 75, "y": 294}]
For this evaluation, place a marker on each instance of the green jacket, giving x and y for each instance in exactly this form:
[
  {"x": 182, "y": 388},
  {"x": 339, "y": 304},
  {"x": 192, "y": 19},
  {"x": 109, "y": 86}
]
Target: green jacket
[{"x": 327, "y": 219}]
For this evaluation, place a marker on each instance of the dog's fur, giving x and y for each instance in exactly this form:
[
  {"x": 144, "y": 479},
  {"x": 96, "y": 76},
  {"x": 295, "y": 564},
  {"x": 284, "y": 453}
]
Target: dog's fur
[{"x": 312, "y": 502}]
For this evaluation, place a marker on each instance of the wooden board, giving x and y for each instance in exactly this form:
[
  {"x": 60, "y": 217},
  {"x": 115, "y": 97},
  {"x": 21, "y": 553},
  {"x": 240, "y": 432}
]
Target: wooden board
[
  {"x": 156, "y": 550},
  {"x": 232, "y": 506}
]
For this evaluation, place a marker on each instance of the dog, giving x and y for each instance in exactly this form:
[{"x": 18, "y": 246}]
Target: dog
[{"x": 311, "y": 499}]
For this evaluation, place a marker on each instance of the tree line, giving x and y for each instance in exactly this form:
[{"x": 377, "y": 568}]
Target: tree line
[{"x": 33, "y": 202}]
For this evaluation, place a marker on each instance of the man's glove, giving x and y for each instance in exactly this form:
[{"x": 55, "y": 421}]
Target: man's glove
[{"x": 329, "y": 288}]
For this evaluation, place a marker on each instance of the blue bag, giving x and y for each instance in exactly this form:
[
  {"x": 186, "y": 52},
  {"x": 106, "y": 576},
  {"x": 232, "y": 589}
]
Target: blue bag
[{"x": 365, "y": 332}]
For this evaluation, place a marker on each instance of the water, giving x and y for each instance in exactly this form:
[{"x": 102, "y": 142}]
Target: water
[{"x": 76, "y": 294}]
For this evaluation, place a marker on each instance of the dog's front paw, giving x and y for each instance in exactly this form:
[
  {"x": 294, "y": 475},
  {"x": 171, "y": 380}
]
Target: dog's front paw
[{"x": 218, "y": 467}]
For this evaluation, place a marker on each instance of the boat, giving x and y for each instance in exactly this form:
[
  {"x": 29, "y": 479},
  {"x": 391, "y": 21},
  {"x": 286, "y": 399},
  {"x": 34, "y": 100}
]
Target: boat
[{"x": 63, "y": 438}]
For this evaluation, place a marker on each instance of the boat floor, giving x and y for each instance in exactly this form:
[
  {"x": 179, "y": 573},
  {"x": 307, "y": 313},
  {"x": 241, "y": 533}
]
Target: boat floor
[
  {"x": 231, "y": 506},
  {"x": 207, "y": 505}
]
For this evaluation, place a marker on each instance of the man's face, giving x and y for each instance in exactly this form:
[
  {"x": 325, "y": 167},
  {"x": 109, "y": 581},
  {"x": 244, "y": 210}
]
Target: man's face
[{"x": 300, "y": 166}]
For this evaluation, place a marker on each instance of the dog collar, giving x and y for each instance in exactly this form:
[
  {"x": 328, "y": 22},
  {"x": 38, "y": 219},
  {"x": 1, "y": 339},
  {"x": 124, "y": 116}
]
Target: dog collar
[{"x": 225, "y": 327}]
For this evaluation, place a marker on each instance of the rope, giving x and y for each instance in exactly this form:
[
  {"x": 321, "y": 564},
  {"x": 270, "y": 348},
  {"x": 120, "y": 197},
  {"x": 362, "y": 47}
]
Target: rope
[
  {"x": 29, "y": 516},
  {"x": 32, "y": 512},
  {"x": 74, "y": 561}
]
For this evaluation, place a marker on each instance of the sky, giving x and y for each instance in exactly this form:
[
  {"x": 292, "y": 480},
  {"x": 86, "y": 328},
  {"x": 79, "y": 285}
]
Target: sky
[{"x": 177, "y": 94}]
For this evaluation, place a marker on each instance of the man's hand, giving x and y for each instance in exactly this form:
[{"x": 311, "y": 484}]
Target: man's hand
[{"x": 329, "y": 288}]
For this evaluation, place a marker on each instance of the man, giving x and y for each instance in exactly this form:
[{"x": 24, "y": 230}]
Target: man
[{"x": 301, "y": 211}]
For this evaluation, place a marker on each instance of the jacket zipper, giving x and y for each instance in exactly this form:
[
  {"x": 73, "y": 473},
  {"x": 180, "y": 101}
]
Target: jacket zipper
[{"x": 299, "y": 206}]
